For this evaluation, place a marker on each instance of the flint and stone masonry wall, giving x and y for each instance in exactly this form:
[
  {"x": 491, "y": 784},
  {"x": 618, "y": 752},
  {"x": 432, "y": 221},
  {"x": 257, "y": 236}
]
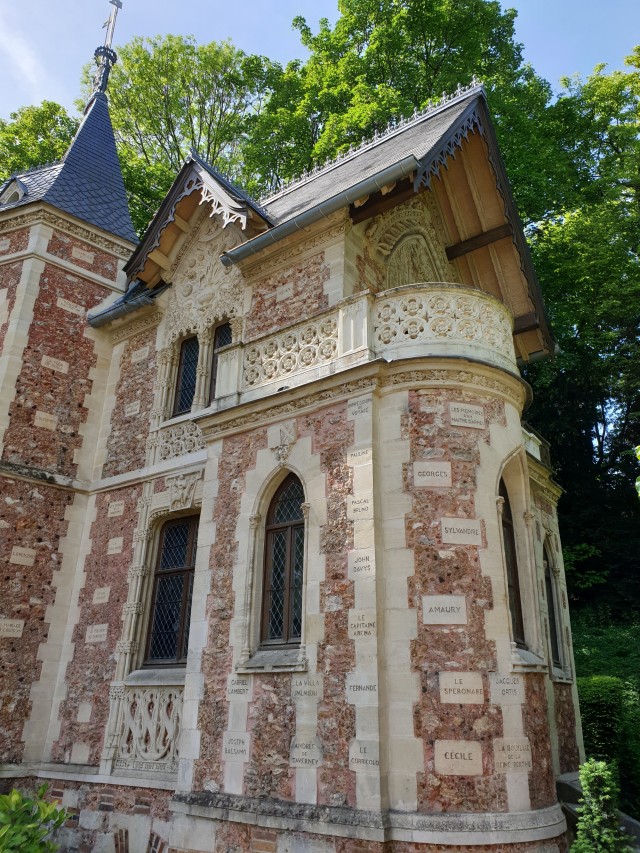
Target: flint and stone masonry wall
[{"x": 406, "y": 721}]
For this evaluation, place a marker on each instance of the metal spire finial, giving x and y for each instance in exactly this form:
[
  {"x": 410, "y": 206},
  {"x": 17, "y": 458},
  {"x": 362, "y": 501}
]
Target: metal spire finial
[{"x": 106, "y": 55}]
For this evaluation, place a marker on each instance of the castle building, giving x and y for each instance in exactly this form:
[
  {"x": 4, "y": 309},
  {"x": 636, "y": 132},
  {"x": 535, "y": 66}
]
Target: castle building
[{"x": 281, "y": 568}]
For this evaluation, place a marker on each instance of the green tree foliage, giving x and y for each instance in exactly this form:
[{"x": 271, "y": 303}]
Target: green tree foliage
[
  {"x": 168, "y": 95},
  {"x": 598, "y": 822},
  {"x": 384, "y": 59},
  {"x": 26, "y": 823},
  {"x": 34, "y": 136},
  {"x": 587, "y": 401}
]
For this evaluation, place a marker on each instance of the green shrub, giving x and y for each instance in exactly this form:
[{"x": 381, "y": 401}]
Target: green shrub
[
  {"x": 630, "y": 754},
  {"x": 602, "y": 710},
  {"x": 598, "y": 821},
  {"x": 27, "y": 822}
]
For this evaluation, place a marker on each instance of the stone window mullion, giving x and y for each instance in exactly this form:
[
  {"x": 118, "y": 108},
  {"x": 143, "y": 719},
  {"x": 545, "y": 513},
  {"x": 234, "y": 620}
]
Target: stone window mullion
[{"x": 201, "y": 395}]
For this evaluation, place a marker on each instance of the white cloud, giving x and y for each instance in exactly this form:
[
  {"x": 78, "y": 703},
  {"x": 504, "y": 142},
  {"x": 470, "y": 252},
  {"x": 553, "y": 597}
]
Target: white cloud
[{"x": 20, "y": 61}]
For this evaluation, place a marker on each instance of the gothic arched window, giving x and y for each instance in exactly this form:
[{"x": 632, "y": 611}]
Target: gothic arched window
[
  {"x": 513, "y": 577},
  {"x": 552, "y": 611},
  {"x": 284, "y": 566},
  {"x": 222, "y": 337},
  {"x": 168, "y": 639},
  {"x": 187, "y": 375}
]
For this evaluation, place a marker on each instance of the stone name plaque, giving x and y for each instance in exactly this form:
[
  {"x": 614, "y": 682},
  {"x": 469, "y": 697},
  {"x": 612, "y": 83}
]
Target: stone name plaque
[
  {"x": 305, "y": 752},
  {"x": 506, "y": 689},
  {"x": 306, "y": 686},
  {"x": 458, "y": 757},
  {"x": 444, "y": 610},
  {"x": 359, "y": 408},
  {"x": 11, "y": 628},
  {"x": 512, "y": 755},
  {"x": 461, "y": 688},
  {"x": 22, "y": 556},
  {"x": 431, "y": 474},
  {"x": 116, "y": 508},
  {"x": 362, "y": 563},
  {"x": 71, "y": 307},
  {"x": 284, "y": 291},
  {"x": 362, "y": 689},
  {"x": 82, "y": 255},
  {"x": 45, "y": 421},
  {"x": 235, "y": 746},
  {"x": 360, "y": 507},
  {"x": 140, "y": 355},
  {"x": 101, "y": 595},
  {"x": 364, "y": 756},
  {"x": 238, "y": 687},
  {"x": 362, "y": 624},
  {"x": 114, "y": 546},
  {"x": 96, "y": 634},
  {"x": 465, "y": 415},
  {"x": 359, "y": 457},
  {"x": 132, "y": 409},
  {"x": 461, "y": 531},
  {"x": 55, "y": 364}
]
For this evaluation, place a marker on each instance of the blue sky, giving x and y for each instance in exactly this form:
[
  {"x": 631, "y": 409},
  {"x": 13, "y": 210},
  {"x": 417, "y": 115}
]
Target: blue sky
[{"x": 43, "y": 45}]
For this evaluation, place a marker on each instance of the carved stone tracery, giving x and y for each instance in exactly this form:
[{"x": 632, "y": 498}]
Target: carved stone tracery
[{"x": 204, "y": 291}]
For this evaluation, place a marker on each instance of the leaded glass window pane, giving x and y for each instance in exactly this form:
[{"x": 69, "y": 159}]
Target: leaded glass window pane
[
  {"x": 513, "y": 577},
  {"x": 187, "y": 374},
  {"x": 553, "y": 615},
  {"x": 173, "y": 588},
  {"x": 284, "y": 566}
]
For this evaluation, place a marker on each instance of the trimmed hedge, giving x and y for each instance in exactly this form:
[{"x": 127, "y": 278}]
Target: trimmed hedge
[{"x": 610, "y": 709}]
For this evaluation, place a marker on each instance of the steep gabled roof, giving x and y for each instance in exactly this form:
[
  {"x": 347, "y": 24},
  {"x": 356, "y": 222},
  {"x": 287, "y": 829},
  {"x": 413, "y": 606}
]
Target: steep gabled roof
[
  {"x": 87, "y": 183},
  {"x": 201, "y": 179}
]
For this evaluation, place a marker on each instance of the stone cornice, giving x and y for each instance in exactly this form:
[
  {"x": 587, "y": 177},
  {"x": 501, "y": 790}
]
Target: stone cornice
[
  {"x": 380, "y": 375},
  {"x": 47, "y": 215},
  {"x": 283, "y": 254},
  {"x": 62, "y": 263}
]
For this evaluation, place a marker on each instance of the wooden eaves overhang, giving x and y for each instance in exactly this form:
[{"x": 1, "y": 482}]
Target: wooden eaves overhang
[
  {"x": 197, "y": 184},
  {"x": 451, "y": 151}
]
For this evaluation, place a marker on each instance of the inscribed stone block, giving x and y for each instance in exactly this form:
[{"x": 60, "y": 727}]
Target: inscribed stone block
[
  {"x": 22, "y": 556},
  {"x": 462, "y": 688},
  {"x": 512, "y": 755},
  {"x": 465, "y": 415},
  {"x": 444, "y": 610},
  {"x": 431, "y": 474},
  {"x": 461, "y": 531},
  {"x": 458, "y": 757}
]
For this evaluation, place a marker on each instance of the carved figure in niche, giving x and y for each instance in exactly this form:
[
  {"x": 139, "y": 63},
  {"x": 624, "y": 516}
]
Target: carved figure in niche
[
  {"x": 204, "y": 291},
  {"x": 410, "y": 262},
  {"x": 409, "y": 240}
]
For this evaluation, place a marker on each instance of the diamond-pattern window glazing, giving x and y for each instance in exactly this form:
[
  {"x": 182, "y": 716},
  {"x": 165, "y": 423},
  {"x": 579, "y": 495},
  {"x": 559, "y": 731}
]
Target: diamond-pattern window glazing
[
  {"x": 172, "y": 592},
  {"x": 187, "y": 375},
  {"x": 284, "y": 566}
]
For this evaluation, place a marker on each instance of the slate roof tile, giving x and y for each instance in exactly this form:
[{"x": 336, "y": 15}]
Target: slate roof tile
[{"x": 87, "y": 182}]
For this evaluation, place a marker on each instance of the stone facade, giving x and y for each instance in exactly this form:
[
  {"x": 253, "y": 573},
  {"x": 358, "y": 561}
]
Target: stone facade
[{"x": 365, "y": 360}]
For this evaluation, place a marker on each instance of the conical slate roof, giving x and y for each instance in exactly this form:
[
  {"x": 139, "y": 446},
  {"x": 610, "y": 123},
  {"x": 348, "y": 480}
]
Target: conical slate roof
[{"x": 87, "y": 183}]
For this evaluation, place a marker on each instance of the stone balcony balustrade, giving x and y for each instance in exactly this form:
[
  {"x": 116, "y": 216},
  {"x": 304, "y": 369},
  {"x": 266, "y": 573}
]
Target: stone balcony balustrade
[{"x": 413, "y": 321}]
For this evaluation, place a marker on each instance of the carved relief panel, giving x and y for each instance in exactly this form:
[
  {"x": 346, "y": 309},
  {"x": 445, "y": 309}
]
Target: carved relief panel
[{"x": 408, "y": 242}]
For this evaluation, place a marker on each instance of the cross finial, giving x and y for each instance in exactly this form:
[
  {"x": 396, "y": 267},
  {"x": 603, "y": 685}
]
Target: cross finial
[{"x": 106, "y": 55}]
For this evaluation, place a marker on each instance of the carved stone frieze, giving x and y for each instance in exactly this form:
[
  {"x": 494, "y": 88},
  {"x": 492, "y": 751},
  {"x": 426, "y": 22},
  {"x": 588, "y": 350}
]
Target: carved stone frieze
[
  {"x": 298, "y": 349},
  {"x": 150, "y": 729},
  {"x": 204, "y": 291},
  {"x": 445, "y": 315},
  {"x": 288, "y": 435},
  {"x": 179, "y": 440},
  {"x": 61, "y": 224},
  {"x": 409, "y": 241},
  {"x": 293, "y": 407},
  {"x": 134, "y": 328},
  {"x": 182, "y": 490},
  {"x": 285, "y": 257}
]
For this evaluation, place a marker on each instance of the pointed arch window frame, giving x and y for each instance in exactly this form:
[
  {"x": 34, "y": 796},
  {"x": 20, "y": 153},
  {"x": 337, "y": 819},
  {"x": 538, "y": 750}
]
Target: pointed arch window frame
[{"x": 284, "y": 542}]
